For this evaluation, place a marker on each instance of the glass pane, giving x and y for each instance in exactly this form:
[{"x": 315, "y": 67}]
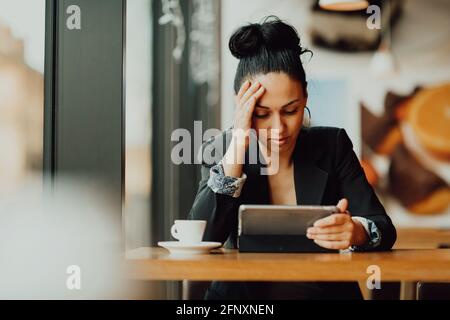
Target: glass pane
[{"x": 138, "y": 123}]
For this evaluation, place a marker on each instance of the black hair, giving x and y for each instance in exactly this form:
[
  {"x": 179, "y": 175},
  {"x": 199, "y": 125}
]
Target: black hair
[{"x": 270, "y": 46}]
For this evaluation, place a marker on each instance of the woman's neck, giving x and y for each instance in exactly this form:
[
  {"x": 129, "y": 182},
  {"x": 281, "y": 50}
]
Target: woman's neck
[{"x": 285, "y": 160}]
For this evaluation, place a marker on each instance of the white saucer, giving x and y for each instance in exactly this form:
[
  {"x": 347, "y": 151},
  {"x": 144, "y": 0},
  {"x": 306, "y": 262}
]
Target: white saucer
[{"x": 177, "y": 247}]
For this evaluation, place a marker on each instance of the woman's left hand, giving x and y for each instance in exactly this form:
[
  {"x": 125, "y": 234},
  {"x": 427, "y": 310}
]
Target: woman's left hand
[{"x": 339, "y": 230}]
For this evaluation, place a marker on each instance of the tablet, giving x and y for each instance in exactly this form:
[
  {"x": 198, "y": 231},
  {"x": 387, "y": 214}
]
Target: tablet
[{"x": 280, "y": 220}]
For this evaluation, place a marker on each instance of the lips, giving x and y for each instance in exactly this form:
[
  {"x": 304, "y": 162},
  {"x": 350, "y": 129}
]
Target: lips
[{"x": 279, "y": 141}]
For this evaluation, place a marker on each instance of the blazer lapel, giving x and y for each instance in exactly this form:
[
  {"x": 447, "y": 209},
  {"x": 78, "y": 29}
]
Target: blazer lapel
[{"x": 310, "y": 180}]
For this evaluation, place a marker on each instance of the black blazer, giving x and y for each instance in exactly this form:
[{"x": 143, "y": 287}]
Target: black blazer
[{"x": 326, "y": 169}]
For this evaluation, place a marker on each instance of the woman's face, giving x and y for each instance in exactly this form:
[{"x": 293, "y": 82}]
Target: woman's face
[{"x": 279, "y": 111}]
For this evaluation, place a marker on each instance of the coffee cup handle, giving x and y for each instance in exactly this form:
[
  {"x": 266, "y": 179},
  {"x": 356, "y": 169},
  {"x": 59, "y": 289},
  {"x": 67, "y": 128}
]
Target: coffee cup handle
[{"x": 173, "y": 232}]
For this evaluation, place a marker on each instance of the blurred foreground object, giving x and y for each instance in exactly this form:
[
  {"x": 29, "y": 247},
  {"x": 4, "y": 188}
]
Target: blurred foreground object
[
  {"x": 61, "y": 245},
  {"x": 21, "y": 113}
]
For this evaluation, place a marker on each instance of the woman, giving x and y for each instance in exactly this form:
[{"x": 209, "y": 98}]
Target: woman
[{"x": 316, "y": 166}]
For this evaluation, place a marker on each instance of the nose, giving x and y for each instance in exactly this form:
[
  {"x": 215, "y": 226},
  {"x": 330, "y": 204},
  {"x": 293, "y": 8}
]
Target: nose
[{"x": 278, "y": 125}]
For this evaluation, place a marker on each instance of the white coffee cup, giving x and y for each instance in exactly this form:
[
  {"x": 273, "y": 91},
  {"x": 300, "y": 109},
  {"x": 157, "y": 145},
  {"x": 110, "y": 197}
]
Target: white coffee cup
[{"x": 188, "y": 231}]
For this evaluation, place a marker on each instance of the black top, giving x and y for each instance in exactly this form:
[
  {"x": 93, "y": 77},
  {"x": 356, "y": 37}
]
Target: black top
[{"x": 326, "y": 169}]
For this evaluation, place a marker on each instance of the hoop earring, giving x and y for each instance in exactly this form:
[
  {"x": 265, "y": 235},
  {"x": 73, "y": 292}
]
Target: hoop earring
[{"x": 309, "y": 116}]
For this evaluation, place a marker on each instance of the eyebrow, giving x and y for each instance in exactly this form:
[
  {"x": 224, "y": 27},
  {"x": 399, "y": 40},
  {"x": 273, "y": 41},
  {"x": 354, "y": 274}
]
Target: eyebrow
[{"x": 287, "y": 104}]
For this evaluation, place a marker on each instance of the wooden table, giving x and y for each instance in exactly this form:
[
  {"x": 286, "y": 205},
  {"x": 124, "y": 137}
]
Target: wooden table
[
  {"x": 228, "y": 265},
  {"x": 423, "y": 238},
  {"x": 413, "y": 259}
]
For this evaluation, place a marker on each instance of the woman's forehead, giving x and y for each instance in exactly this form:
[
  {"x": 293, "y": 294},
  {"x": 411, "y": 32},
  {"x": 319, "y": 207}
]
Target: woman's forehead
[{"x": 280, "y": 89}]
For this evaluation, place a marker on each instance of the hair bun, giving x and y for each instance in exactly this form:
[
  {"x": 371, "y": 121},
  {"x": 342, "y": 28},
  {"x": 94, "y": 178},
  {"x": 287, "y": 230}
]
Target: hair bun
[
  {"x": 272, "y": 34},
  {"x": 246, "y": 41}
]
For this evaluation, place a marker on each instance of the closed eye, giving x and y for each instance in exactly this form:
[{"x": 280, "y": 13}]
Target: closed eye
[
  {"x": 261, "y": 116},
  {"x": 261, "y": 112},
  {"x": 291, "y": 111}
]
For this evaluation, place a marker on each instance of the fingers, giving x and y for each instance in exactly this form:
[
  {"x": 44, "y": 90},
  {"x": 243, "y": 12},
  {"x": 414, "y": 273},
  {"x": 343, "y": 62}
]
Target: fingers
[
  {"x": 243, "y": 89},
  {"x": 245, "y": 100},
  {"x": 335, "y": 231},
  {"x": 250, "y": 105},
  {"x": 249, "y": 93},
  {"x": 330, "y": 230},
  {"x": 332, "y": 220},
  {"x": 342, "y": 205},
  {"x": 334, "y": 245},
  {"x": 330, "y": 237}
]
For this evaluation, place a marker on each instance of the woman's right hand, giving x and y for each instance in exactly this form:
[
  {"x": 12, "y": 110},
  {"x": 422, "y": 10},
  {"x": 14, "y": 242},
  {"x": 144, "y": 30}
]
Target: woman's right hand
[
  {"x": 245, "y": 104},
  {"x": 246, "y": 98}
]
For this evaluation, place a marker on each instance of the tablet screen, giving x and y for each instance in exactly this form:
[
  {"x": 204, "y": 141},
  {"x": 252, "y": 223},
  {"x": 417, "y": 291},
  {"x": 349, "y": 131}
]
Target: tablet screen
[{"x": 280, "y": 220}]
